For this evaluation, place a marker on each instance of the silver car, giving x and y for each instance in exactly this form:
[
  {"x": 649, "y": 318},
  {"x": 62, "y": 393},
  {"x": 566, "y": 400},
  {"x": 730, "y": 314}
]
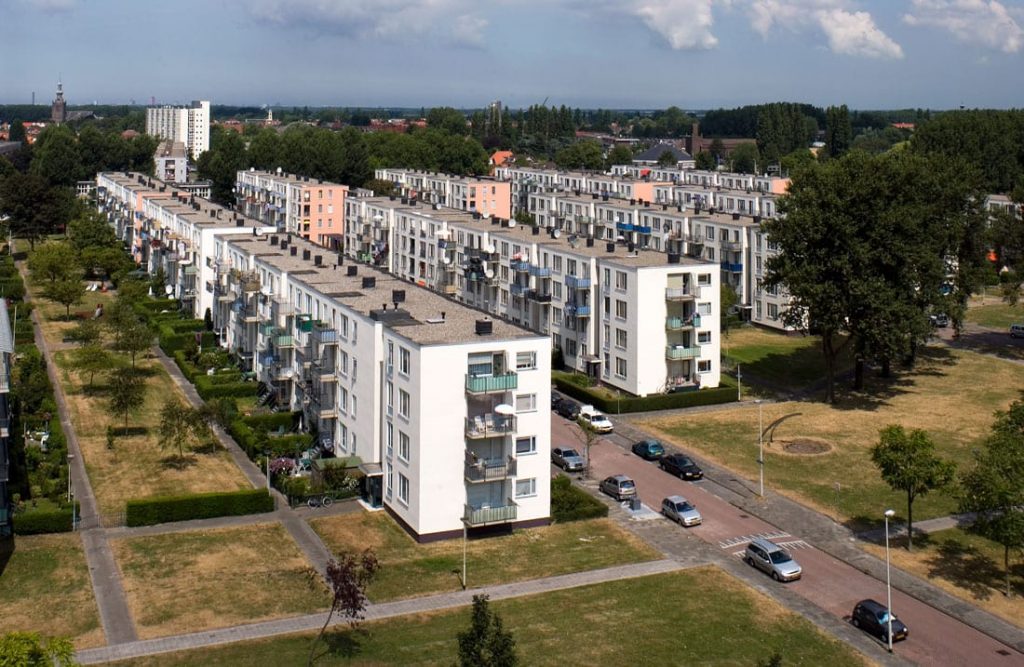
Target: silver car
[
  {"x": 772, "y": 559},
  {"x": 681, "y": 511},
  {"x": 619, "y": 487},
  {"x": 567, "y": 458}
]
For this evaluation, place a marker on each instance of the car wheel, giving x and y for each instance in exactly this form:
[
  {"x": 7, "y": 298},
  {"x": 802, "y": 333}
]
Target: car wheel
[
  {"x": 748, "y": 561},
  {"x": 856, "y": 622},
  {"x": 776, "y": 577}
]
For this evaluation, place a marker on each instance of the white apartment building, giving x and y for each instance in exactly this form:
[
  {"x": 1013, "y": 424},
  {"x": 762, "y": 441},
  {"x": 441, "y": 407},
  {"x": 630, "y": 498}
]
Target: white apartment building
[
  {"x": 301, "y": 205},
  {"x": 486, "y": 196},
  {"x": 593, "y": 299},
  {"x": 446, "y": 409},
  {"x": 171, "y": 161},
  {"x": 188, "y": 124}
]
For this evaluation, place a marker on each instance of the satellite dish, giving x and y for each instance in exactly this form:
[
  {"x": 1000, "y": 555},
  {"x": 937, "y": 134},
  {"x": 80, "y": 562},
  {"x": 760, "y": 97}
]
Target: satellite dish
[
  {"x": 378, "y": 218},
  {"x": 445, "y": 259},
  {"x": 556, "y": 233},
  {"x": 489, "y": 274},
  {"x": 168, "y": 290},
  {"x": 491, "y": 248}
]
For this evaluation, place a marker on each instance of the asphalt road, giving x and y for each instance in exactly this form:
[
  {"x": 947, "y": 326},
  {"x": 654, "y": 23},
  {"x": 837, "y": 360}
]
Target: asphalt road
[{"x": 832, "y": 585}]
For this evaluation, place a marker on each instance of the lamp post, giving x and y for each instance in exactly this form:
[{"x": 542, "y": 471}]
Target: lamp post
[
  {"x": 267, "y": 455},
  {"x": 760, "y": 444},
  {"x": 70, "y": 457},
  {"x": 888, "y": 584}
]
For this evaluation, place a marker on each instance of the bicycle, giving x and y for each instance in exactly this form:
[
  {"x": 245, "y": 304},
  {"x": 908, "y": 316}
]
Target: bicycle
[{"x": 320, "y": 501}]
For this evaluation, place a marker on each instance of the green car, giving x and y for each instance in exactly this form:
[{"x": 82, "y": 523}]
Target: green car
[{"x": 649, "y": 450}]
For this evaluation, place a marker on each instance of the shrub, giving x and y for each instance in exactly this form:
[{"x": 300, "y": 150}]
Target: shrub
[
  {"x": 688, "y": 399},
  {"x": 273, "y": 421},
  {"x": 36, "y": 523},
  {"x": 569, "y": 503},
  {"x": 208, "y": 389},
  {"x": 150, "y": 511}
]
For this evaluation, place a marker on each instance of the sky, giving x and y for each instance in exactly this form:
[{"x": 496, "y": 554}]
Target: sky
[{"x": 634, "y": 54}]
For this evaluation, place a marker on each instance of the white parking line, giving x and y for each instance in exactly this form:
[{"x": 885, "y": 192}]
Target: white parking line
[
  {"x": 733, "y": 541},
  {"x": 795, "y": 544}
]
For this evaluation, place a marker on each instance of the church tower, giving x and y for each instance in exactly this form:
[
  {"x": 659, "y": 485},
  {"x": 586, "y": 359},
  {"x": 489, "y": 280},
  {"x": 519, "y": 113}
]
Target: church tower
[{"x": 58, "y": 110}]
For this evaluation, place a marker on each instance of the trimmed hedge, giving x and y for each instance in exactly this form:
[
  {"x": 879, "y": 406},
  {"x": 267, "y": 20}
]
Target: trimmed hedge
[
  {"x": 150, "y": 511},
  {"x": 37, "y": 523},
  {"x": 209, "y": 389},
  {"x": 273, "y": 421},
  {"x": 687, "y": 399},
  {"x": 171, "y": 342},
  {"x": 569, "y": 503}
]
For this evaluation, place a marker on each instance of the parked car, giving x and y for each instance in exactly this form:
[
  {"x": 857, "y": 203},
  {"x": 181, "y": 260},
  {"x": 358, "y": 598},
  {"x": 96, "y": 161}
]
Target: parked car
[
  {"x": 939, "y": 320},
  {"x": 873, "y": 617},
  {"x": 568, "y": 408},
  {"x": 619, "y": 487},
  {"x": 1017, "y": 331},
  {"x": 649, "y": 450},
  {"x": 555, "y": 400},
  {"x": 590, "y": 418},
  {"x": 681, "y": 511},
  {"x": 772, "y": 559},
  {"x": 568, "y": 459},
  {"x": 681, "y": 466}
]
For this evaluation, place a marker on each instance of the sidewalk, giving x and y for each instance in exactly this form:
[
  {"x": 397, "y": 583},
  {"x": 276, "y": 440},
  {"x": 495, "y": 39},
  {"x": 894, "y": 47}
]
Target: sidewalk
[{"x": 374, "y": 612}]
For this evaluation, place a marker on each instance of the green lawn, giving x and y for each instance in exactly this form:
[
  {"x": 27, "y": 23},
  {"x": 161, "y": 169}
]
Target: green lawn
[
  {"x": 777, "y": 360},
  {"x": 844, "y": 483},
  {"x": 197, "y": 580},
  {"x": 701, "y": 616},
  {"x": 409, "y": 569},
  {"x": 995, "y": 316},
  {"x": 45, "y": 588}
]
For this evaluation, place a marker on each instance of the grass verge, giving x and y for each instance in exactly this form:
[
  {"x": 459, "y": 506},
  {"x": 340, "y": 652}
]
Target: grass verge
[
  {"x": 409, "y": 569},
  {"x": 198, "y": 580},
  {"x": 843, "y": 482},
  {"x": 775, "y": 360},
  {"x": 45, "y": 588},
  {"x": 701, "y": 616},
  {"x": 965, "y": 565}
]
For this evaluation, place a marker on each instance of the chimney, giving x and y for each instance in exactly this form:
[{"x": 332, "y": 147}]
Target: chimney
[
  {"x": 274, "y": 239},
  {"x": 535, "y": 231},
  {"x": 590, "y": 241},
  {"x": 735, "y": 216},
  {"x": 318, "y": 260},
  {"x": 673, "y": 258}
]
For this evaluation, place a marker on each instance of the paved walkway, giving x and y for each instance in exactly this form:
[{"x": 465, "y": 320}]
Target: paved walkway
[
  {"x": 374, "y": 612},
  {"x": 877, "y": 535},
  {"x": 118, "y": 625}
]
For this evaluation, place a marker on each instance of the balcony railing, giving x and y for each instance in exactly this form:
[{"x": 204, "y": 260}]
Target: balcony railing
[
  {"x": 733, "y": 246},
  {"x": 488, "y": 470},
  {"x": 490, "y": 425},
  {"x": 677, "y": 352},
  {"x": 324, "y": 335},
  {"x": 539, "y": 296},
  {"x": 487, "y": 384},
  {"x": 518, "y": 290},
  {"x": 284, "y": 341},
  {"x": 483, "y": 516},
  {"x": 735, "y": 268},
  {"x": 574, "y": 310},
  {"x": 680, "y": 293},
  {"x": 624, "y": 226},
  {"x": 520, "y": 266},
  {"x": 540, "y": 271},
  {"x": 576, "y": 282},
  {"x": 677, "y": 323}
]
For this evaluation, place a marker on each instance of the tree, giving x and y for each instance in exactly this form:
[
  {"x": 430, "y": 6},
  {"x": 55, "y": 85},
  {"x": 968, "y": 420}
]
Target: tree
[
  {"x": 90, "y": 359},
  {"x": 133, "y": 338},
  {"x": 838, "y": 131},
  {"x": 86, "y": 332},
  {"x": 447, "y": 119},
  {"x": 182, "y": 426},
  {"x": 208, "y": 320},
  {"x": 35, "y": 209},
  {"x": 127, "y": 392},
  {"x": 105, "y": 261},
  {"x": 745, "y": 158},
  {"x": 705, "y": 160},
  {"x": 580, "y": 155},
  {"x": 728, "y": 300},
  {"x": 53, "y": 262},
  {"x": 347, "y": 578},
  {"x": 908, "y": 463},
  {"x": 56, "y": 156},
  {"x": 90, "y": 229},
  {"x": 132, "y": 290},
  {"x": 67, "y": 292},
  {"x": 486, "y": 643},
  {"x": 30, "y": 649},
  {"x": 620, "y": 154},
  {"x": 667, "y": 159},
  {"x": 994, "y": 488},
  {"x": 17, "y": 130}
]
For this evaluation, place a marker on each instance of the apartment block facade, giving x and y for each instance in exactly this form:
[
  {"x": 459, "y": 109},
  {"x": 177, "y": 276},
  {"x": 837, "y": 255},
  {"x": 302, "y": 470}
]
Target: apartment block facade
[
  {"x": 308, "y": 207},
  {"x": 188, "y": 124},
  {"x": 6, "y": 361},
  {"x": 486, "y": 196}
]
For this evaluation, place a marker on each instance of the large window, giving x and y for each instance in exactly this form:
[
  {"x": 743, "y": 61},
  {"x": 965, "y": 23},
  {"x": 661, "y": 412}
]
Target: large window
[
  {"x": 526, "y": 488},
  {"x": 620, "y": 367},
  {"x": 526, "y": 361},
  {"x": 621, "y": 309},
  {"x": 403, "y": 488},
  {"x": 620, "y": 338},
  {"x": 620, "y": 280}
]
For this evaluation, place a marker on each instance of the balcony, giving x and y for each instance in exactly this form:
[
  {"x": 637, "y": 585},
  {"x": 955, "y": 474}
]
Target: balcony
[
  {"x": 327, "y": 412},
  {"x": 538, "y": 296},
  {"x": 678, "y": 323},
  {"x": 284, "y": 341},
  {"x": 680, "y": 352},
  {"x": 540, "y": 271},
  {"x": 491, "y": 384},
  {"x": 576, "y": 282},
  {"x": 733, "y": 246},
  {"x": 488, "y": 470},
  {"x": 519, "y": 290},
  {"x": 680, "y": 293},
  {"x": 324, "y": 335},
  {"x": 624, "y": 226},
  {"x": 520, "y": 266},
  {"x": 490, "y": 426},
  {"x": 734, "y": 268},
  {"x": 573, "y": 310},
  {"x": 483, "y": 516},
  {"x": 642, "y": 229}
]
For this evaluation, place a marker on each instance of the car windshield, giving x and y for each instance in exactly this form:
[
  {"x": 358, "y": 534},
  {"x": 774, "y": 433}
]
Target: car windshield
[
  {"x": 779, "y": 557},
  {"x": 684, "y": 507},
  {"x": 569, "y": 452}
]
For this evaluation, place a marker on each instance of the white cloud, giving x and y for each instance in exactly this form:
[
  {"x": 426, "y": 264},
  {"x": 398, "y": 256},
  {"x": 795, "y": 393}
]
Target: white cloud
[
  {"x": 849, "y": 32},
  {"x": 985, "y": 22},
  {"x": 383, "y": 19},
  {"x": 684, "y": 24}
]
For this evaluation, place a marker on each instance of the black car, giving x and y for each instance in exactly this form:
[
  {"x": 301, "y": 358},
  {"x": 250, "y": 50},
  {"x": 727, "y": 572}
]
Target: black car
[
  {"x": 873, "y": 617},
  {"x": 680, "y": 466},
  {"x": 555, "y": 400},
  {"x": 568, "y": 409}
]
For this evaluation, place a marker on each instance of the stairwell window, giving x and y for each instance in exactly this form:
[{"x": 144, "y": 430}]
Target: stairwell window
[
  {"x": 403, "y": 489},
  {"x": 404, "y": 359},
  {"x": 526, "y": 488},
  {"x": 404, "y": 403}
]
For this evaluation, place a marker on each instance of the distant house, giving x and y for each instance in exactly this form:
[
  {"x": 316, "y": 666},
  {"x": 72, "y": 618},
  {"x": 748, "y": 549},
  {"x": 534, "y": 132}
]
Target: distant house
[
  {"x": 695, "y": 143},
  {"x": 500, "y": 159},
  {"x": 652, "y": 155}
]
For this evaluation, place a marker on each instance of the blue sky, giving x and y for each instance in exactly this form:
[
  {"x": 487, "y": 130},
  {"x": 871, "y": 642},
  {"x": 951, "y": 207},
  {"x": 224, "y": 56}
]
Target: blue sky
[{"x": 590, "y": 53}]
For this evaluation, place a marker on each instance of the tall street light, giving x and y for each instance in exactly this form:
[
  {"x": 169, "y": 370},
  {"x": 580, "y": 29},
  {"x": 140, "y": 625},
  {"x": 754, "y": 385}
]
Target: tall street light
[
  {"x": 760, "y": 443},
  {"x": 888, "y": 584}
]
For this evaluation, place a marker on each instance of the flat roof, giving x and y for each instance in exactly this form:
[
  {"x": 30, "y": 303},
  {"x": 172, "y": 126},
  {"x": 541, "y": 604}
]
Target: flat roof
[
  {"x": 295, "y": 179},
  {"x": 419, "y": 317}
]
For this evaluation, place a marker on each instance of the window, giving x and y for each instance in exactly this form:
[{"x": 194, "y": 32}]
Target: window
[
  {"x": 404, "y": 403},
  {"x": 403, "y": 446},
  {"x": 773, "y": 311},
  {"x": 620, "y": 338},
  {"x": 620, "y": 367},
  {"x": 704, "y": 308},
  {"x": 710, "y": 231},
  {"x": 703, "y": 278},
  {"x": 556, "y": 264},
  {"x": 389, "y": 437},
  {"x": 526, "y": 445},
  {"x": 704, "y": 366},
  {"x": 403, "y": 488},
  {"x": 621, "y": 309},
  {"x": 404, "y": 361},
  {"x": 355, "y": 402},
  {"x": 389, "y": 477},
  {"x": 526, "y": 488},
  {"x": 526, "y": 361},
  {"x": 526, "y": 402},
  {"x": 390, "y": 391},
  {"x": 703, "y": 337},
  {"x": 620, "y": 280}
]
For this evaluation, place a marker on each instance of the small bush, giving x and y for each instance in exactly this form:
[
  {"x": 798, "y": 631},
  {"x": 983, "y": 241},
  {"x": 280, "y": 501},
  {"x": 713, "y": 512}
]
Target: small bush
[
  {"x": 569, "y": 503},
  {"x": 150, "y": 511}
]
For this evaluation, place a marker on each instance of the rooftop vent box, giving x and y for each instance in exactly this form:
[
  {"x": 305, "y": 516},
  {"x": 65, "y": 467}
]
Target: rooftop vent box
[
  {"x": 306, "y": 254},
  {"x": 673, "y": 258},
  {"x": 352, "y": 270},
  {"x": 294, "y": 251},
  {"x": 610, "y": 247},
  {"x": 484, "y": 327},
  {"x": 398, "y": 296},
  {"x": 368, "y": 281}
]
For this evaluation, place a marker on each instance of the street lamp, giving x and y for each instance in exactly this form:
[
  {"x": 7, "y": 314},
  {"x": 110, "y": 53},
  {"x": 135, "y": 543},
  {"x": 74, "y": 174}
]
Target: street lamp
[
  {"x": 70, "y": 457},
  {"x": 888, "y": 584},
  {"x": 760, "y": 443}
]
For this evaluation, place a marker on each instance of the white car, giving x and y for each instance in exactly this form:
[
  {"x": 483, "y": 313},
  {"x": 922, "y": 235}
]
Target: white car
[
  {"x": 594, "y": 420},
  {"x": 680, "y": 510}
]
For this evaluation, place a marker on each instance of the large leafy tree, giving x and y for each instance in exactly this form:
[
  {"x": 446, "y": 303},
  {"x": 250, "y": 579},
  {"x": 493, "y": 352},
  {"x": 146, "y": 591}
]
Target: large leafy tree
[
  {"x": 908, "y": 463},
  {"x": 580, "y": 155},
  {"x": 994, "y": 488},
  {"x": 67, "y": 292},
  {"x": 838, "y": 131},
  {"x": 486, "y": 643},
  {"x": 53, "y": 262},
  {"x": 745, "y": 158},
  {"x": 620, "y": 154},
  {"x": 182, "y": 426},
  {"x": 57, "y": 158},
  {"x": 35, "y": 209}
]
